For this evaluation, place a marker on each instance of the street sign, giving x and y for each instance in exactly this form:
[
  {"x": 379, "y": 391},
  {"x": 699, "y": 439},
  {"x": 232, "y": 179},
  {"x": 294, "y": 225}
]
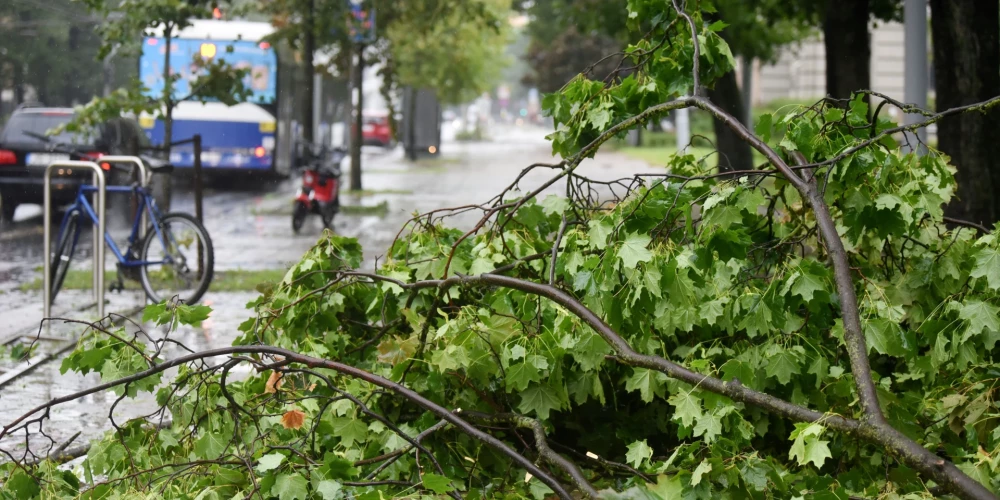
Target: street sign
[{"x": 361, "y": 25}]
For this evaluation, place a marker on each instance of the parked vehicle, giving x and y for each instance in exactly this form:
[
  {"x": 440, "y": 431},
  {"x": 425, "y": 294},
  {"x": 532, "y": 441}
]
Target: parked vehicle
[
  {"x": 25, "y": 151},
  {"x": 320, "y": 190},
  {"x": 375, "y": 129},
  {"x": 421, "y": 125}
]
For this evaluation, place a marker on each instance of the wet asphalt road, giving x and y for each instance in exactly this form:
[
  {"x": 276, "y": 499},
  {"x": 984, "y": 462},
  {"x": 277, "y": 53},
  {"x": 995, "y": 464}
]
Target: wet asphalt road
[{"x": 250, "y": 226}]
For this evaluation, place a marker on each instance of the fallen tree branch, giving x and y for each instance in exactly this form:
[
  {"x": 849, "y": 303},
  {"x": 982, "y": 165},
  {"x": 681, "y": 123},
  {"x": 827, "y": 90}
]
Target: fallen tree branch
[{"x": 290, "y": 357}]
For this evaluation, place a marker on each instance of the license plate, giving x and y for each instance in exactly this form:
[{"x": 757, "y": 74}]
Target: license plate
[
  {"x": 368, "y": 128},
  {"x": 44, "y": 159}
]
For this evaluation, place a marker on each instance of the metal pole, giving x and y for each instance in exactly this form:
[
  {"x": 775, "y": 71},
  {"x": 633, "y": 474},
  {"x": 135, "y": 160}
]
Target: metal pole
[
  {"x": 99, "y": 207},
  {"x": 144, "y": 177},
  {"x": 47, "y": 245},
  {"x": 683, "y": 126},
  {"x": 915, "y": 83},
  {"x": 198, "y": 194},
  {"x": 95, "y": 235},
  {"x": 317, "y": 101}
]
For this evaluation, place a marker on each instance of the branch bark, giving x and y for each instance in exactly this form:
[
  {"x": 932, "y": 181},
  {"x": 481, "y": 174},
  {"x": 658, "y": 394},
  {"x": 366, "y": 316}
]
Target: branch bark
[{"x": 541, "y": 442}]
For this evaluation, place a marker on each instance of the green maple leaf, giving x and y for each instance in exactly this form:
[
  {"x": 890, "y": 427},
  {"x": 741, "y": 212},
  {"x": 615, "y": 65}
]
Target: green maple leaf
[
  {"x": 807, "y": 284},
  {"x": 270, "y": 462},
  {"x": 711, "y": 310},
  {"x": 600, "y": 118},
  {"x": 980, "y": 316},
  {"x": 651, "y": 279},
  {"x": 667, "y": 487},
  {"x": 541, "y": 399},
  {"x": 687, "y": 407},
  {"x": 335, "y": 467},
  {"x": 754, "y": 474},
  {"x": 886, "y": 337},
  {"x": 757, "y": 320},
  {"x": 703, "y": 468},
  {"x": 739, "y": 370},
  {"x": 521, "y": 375},
  {"x": 350, "y": 430},
  {"x": 782, "y": 366},
  {"x": 584, "y": 280},
  {"x": 763, "y": 127},
  {"x": 290, "y": 487},
  {"x": 638, "y": 452},
  {"x": 22, "y": 485},
  {"x": 647, "y": 382},
  {"x": 633, "y": 250},
  {"x": 598, "y": 235},
  {"x": 554, "y": 205},
  {"x": 192, "y": 315},
  {"x": 590, "y": 351},
  {"x": 988, "y": 265},
  {"x": 724, "y": 216},
  {"x": 437, "y": 484},
  {"x": 211, "y": 445},
  {"x": 329, "y": 490},
  {"x": 807, "y": 447},
  {"x": 710, "y": 426}
]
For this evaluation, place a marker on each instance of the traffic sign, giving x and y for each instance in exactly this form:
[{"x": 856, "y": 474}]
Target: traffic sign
[{"x": 361, "y": 25}]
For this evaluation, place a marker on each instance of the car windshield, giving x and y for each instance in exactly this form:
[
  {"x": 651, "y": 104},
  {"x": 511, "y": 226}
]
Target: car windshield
[{"x": 22, "y": 127}]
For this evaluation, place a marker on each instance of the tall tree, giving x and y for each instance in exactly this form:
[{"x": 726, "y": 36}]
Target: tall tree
[
  {"x": 966, "y": 39},
  {"x": 126, "y": 23}
]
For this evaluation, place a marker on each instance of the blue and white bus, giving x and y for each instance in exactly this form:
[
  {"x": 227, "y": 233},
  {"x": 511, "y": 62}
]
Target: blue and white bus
[{"x": 256, "y": 135}]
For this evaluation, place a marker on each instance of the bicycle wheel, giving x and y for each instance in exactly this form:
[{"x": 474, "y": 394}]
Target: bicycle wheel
[
  {"x": 183, "y": 260},
  {"x": 68, "y": 236}
]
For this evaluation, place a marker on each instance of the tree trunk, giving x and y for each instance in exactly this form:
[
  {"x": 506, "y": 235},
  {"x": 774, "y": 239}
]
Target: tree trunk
[
  {"x": 848, "y": 47},
  {"x": 310, "y": 70},
  {"x": 358, "y": 136},
  {"x": 734, "y": 153},
  {"x": 966, "y": 39},
  {"x": 162, "y": 186}
]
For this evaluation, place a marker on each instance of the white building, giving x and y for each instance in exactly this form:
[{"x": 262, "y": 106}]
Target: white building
[{"x": 800, "y": 71}]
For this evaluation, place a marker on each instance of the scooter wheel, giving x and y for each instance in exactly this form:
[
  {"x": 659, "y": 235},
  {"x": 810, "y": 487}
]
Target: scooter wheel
[
  {"x": 299, "y": 214},
  {"x": 328, "y": 219}
]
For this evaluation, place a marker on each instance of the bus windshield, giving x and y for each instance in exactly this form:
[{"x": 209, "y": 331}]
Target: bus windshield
[{"x": 260, "y": 59}]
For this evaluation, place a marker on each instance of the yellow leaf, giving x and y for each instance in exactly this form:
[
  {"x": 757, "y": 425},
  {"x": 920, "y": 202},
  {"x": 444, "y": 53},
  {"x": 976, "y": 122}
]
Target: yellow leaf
[
  {"x": 293, "y": 419},
  {"x": 273, "y": 382}
]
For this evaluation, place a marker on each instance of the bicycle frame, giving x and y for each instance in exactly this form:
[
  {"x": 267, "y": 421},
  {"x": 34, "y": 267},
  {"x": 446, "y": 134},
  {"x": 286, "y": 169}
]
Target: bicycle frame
[{"x": 146, "y": 203}]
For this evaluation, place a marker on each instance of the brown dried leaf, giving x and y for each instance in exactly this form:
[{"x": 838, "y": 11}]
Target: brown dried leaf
[
  {"x": 273, "y": 382},
  {"x": 293, "y": 419},
  {"x": 395, "y": 350}
]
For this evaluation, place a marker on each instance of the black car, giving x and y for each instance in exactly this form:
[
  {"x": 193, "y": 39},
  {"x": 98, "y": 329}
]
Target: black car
[{"x": 24, "y": 155}]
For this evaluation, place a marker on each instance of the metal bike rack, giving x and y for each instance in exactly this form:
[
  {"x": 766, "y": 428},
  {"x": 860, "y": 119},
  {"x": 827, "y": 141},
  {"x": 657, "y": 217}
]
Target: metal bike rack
[
  {"x": 98, "y": 180},
  {"x": 143, "y": 176}
]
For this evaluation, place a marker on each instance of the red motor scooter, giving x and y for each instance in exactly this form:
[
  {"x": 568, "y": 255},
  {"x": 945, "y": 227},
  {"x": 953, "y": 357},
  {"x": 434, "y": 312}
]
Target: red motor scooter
[{"x": 320, "y": 190}]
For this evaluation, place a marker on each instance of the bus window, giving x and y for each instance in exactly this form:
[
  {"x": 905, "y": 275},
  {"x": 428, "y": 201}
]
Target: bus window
[{"x": 185, "y": 60}]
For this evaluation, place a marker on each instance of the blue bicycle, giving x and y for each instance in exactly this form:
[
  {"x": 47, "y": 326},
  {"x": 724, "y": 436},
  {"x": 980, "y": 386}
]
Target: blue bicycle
[{"x": 172, "y": 259}]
